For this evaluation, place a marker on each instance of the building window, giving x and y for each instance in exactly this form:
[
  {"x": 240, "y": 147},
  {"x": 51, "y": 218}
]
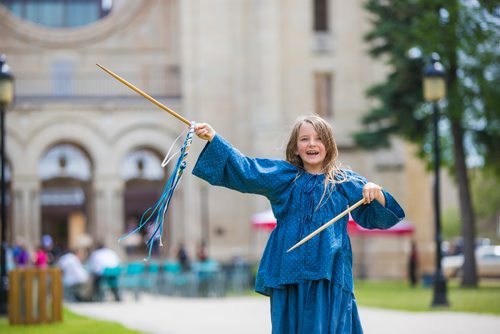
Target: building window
[
  {"x": 320, "y": 12},
  {"x": 142, "y": 164},
  {"x": 60, "y": 13},
  {"x": 65, "y": 160},
  {"x": 323, "y": 94}
]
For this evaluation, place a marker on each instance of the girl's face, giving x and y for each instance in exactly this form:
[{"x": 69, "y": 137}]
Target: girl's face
[{"x": 311, "y": 149}]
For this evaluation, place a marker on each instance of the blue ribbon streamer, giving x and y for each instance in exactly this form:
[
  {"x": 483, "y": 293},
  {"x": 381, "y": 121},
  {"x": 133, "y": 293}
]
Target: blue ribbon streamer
[{"x": 156, "y": 214}]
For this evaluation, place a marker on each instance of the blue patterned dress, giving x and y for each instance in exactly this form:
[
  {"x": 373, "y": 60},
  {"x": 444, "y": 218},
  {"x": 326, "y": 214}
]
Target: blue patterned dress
[{"x": 311, "y": 287}]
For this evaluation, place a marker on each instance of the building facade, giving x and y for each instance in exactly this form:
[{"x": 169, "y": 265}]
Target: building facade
[{"x": 83, "y": 151}]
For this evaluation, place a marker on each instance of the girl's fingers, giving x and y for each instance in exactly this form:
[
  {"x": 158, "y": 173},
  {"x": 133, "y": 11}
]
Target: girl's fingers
[
  {"x": 366, "y": 196},
  {"x": 370, "y": 192},
  {"x": 204, "y": 131}
]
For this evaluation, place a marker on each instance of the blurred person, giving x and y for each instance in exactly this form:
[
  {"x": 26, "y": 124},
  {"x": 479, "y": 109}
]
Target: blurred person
[
  {"x": 311, "y": 288},
  {"x": 413, "y": 264},
  {"x": 21, "y": 255},
  {"x": 10, "y": 264},
  {"x": 201, "y": 252},
  {"x": 132, "y": 241},
  {"x": 100, "y": 259},
  {"x": 75, "y": 278},
  {"x": 53, "y": 251},
  {"x": 150, "y": 231},
  {"x": 183, "y": 257},
  {"x": 40, "y": 258}
]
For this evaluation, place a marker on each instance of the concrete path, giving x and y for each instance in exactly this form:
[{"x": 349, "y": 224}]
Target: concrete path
[{"x": 250, "y": 315}]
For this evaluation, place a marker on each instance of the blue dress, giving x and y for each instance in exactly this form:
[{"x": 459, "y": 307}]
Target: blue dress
[{"x": 311, "y": 287}]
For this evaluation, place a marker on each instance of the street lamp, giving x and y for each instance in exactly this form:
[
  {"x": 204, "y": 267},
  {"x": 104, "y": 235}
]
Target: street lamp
[
  {"x": 6, "y": 96},
  {"x": 434, "y": 89}
]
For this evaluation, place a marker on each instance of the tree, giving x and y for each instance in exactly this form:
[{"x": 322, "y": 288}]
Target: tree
[
  {"x": 486, "y": 199},
  {"x": 465, "y": 33}
]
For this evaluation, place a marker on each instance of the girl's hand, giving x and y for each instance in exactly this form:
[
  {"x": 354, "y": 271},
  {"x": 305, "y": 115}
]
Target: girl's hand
[
  {"x": 204, "y": 131},
  {"x": 372, "y": 191}
]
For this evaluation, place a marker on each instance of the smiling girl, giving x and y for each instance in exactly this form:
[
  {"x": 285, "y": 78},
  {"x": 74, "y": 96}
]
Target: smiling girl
[{"x": 311, "y": 288}]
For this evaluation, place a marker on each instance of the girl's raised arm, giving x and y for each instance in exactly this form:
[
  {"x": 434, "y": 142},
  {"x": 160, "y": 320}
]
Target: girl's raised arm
[{"x": 221, "y": 164}]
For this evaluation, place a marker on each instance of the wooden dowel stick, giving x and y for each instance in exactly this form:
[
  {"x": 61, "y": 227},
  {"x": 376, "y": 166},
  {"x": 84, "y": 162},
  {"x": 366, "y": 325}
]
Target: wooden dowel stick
[
  {"x": 361, "y": 201},
  {"x": 148, "y": 97}
]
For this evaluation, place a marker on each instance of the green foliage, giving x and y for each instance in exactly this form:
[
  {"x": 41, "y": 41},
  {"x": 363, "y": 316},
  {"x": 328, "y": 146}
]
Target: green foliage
[
  {"x": 399, "y": 296},
  {"x": 451, "y": 223},
  {"x": 486, "y": 193},
  {"x": 466, "y": 35},
  {"x": 72, "y": 323},
  {"x": 485, "y": 188}
]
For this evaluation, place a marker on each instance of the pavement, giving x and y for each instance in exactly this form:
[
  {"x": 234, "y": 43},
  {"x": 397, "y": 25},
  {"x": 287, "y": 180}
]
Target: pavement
[{"x": 250, "y": 315}]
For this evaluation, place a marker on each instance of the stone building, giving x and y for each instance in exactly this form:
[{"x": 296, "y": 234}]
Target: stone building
[{"x": 83, "y": 151}]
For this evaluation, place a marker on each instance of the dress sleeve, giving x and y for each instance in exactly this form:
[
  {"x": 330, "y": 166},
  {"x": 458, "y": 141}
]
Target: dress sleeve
[
  {"x": 373, "y": 215},
  {"x": 221, "y": 164}
]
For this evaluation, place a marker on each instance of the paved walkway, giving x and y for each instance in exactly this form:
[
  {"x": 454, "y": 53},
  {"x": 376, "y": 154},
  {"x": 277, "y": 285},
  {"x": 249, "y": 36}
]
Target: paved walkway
[{"x": 250, "y": 315}]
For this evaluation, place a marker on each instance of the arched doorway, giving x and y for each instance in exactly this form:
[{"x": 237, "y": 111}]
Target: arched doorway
[
  {"x": 66, "y": 173},
  {"x": 144, "y": 180}
]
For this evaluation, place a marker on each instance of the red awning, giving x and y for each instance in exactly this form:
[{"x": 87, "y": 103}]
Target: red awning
[
  {"x": 265, "y": 221},
  {"x": 401, "y": 228}
]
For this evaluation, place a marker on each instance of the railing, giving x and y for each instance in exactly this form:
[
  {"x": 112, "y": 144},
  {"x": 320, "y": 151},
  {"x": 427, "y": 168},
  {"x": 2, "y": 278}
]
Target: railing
[
  {"x": 35, "y": 296},
  {"x": 166, "y": 83},
  {"x": 204, "y": 279}
]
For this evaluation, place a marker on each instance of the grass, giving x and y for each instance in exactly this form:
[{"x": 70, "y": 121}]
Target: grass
[
  {"x": 72, "y": 324},
  {"x": 382, "y": 294},
  {"x": 399, "y": 296}
]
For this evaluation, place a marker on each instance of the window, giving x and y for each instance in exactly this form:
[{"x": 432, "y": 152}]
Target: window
[
  {"x": 323, "y": 94},
  {"x": 65, "y": 160},
  {"x": 320, "y": 11},
  {"x": 142, "y": 164},
  {"x": 60, "y": 13}
]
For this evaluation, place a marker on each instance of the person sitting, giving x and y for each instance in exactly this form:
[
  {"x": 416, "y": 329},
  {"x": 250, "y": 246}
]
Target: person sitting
[
  {"x": 100, "y": 259},
  {"x": 75, "y": 278}
]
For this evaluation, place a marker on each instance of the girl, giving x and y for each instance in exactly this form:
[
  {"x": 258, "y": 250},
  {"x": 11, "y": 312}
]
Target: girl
[{"x": 311, "y": 287}]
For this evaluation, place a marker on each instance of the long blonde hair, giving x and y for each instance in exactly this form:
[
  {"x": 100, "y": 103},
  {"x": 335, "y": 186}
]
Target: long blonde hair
[{"x": 331, "y": 168}]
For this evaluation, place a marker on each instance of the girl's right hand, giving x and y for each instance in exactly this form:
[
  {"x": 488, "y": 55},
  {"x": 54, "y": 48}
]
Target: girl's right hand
[{"x": 204, "y": 131}]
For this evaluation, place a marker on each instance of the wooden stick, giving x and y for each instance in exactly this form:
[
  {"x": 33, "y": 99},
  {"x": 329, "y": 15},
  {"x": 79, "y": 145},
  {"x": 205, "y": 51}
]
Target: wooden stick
[
  {"x": 303, "y": 241},
  {"x": 148, "y": 97}
]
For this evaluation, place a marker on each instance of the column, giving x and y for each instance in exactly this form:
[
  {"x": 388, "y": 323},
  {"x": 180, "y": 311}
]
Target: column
[
  {"x": 26, "y": 222},
  {"x": 108, "y": 212}
]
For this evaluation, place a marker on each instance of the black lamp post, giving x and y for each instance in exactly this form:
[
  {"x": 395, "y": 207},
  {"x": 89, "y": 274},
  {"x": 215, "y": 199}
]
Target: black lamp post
[
  {"x": 434, "y": 87},
  {"x": 6, "y": 96}
]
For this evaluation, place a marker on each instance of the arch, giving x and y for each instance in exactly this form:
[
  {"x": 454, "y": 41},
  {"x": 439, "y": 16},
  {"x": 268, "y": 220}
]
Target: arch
[
  {"x": 76, "y": 133},
  {"x": 146, "y": 127},
  {"x": 14, "y": 148},
  {"x": 154, "y": 138}
]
